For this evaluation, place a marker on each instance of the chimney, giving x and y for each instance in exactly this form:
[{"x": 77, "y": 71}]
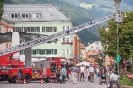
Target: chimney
[{"x": 50, "y": 4}]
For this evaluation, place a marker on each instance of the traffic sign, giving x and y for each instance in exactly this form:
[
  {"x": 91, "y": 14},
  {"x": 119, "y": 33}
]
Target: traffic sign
[{"x": 118, "y": 59}]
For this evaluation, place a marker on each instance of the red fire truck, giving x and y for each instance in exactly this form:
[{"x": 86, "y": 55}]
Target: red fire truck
[
  {"x": 7, "y": 63},
  {"x": 13, "y": 70}
]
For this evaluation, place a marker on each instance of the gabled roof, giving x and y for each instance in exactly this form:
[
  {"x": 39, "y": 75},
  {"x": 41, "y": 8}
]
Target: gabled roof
[{"x": 47, "y": 11}]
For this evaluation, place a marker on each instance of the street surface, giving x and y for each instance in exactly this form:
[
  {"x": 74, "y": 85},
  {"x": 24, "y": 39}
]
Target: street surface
[{"x": 36, "y": 84}]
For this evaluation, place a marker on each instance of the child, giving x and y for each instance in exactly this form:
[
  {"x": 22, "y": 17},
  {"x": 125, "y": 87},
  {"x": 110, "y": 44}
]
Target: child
[{"x": 88, "y": 76}]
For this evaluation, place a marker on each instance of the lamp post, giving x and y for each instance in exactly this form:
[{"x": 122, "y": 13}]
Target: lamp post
[{"x": 118, "y": 18}]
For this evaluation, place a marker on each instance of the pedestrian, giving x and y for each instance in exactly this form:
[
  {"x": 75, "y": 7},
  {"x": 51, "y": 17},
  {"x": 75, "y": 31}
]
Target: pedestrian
[
  {"x": 88, "y": 73},
  {"x": 74, "y": 74},
  {"x": 108, "y": 72},
  {"x": 63, "y": 74},
  {"x": 58, "y": 74},
  {"x": 92, "y": 72},
  {"x": 70, "y": 77},
  {"x": 82, "y": 72},
  {"x": 113, "y": 78},
  {"x": 97, "y": 72},
  {"x": 70, "y": 74},
  {"x": 78, "y": 73}
]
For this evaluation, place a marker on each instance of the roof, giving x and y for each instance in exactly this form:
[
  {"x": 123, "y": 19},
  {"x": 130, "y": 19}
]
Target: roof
[
  {"x": 97, "y": 45},
  {"x": 46, "y": 12}
]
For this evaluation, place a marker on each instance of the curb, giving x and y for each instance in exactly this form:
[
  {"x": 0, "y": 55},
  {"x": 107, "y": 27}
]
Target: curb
[{"x": 125, "y": 86}]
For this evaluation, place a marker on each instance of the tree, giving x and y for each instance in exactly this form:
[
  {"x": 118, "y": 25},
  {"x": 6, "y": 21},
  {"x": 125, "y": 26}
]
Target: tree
[
  {"x": 1, "y": 8},
  {"x": 99, "y": 61},
  {"x": 109, "y": 39}
]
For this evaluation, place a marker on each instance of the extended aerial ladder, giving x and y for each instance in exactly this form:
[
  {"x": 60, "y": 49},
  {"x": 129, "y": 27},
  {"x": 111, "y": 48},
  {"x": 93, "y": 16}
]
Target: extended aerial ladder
[{"x": 55, "y": 36}]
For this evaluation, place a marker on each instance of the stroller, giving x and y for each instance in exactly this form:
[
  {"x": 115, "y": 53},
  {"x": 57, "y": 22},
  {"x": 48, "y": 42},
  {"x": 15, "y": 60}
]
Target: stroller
[
  {"x": 89, "y": 77},
  {"x": 103, "y": 78}
]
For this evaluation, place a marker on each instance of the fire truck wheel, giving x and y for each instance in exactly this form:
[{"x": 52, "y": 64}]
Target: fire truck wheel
[
  {"x": 47, "y": 80},
  {"x": 27, "y": 77}
]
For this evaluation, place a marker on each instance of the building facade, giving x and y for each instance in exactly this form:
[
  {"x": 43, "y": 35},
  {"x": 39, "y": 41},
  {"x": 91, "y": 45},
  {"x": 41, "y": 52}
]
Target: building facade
[
  {"x": 76, "y": 48},
  {"x": 93, "y": 51},
  {"x": 82, "y": 52},
  {"x": 43, "y": 19},
  {"x": 5, "y": 26}
]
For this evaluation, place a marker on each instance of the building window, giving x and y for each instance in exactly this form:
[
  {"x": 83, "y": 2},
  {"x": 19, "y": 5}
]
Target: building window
[
  {"x": 70, "y": 51},
  {"x": 37, "y": 51},
  {"x": 45, "y": 51},
  {"x": 53, "y": 29},
  {"x": 67, "y": 40},
  {"x": 36, "y": 15},
  {"x": 32, "y": 29},
  {"x": 49, "y": 29},
  {"x": 67, "y": 51},
  {"x": 43, "y": 29},
  {"x": 14, "y": 15},
  {"x": 38, "y": 29},
  {"x": 63, "y": 51},
  {"x": 41, "y": 51},
  {"x": 70, "y": 40},
  {"x": 63, "y": 39},
  {"x": 18, "y": 29},
  {"x": 26, "y": 29},
  {"x": 53, "y": 51},
  {"x": 34, "y": 51},
  {"x": 67, "y": 27},
  {"x": 25, "y": 15}
]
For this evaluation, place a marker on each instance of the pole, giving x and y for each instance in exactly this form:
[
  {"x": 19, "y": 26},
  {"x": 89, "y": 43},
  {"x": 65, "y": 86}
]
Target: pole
[
  {"x": 118, "y": 19},
  {"x": 118, "y": 47}
]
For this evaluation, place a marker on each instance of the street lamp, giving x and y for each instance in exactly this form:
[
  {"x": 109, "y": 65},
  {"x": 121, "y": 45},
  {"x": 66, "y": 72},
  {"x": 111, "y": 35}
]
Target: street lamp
[
  {"x": 117, "y": 4},
  {"x": 118, "y": 18}
]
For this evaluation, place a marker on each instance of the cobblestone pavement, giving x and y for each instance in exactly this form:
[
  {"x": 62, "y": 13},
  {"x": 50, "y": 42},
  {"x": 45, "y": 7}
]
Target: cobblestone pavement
[{"x": 36, "y": 84}]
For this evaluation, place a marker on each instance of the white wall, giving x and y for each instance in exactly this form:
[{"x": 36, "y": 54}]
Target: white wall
[{"x": 3, "y": 45}]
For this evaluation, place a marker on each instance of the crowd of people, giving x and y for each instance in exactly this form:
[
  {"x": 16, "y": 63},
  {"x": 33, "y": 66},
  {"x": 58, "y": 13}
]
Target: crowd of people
[{"x": 79, "y": 73}]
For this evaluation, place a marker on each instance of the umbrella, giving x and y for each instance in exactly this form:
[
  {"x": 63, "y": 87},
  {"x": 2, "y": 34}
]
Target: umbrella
[{"x": 84, "y": 63}]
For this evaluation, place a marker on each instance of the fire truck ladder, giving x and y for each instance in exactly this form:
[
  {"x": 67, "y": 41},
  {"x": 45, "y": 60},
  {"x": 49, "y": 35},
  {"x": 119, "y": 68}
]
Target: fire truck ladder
[{"x": 55, "y": 36}]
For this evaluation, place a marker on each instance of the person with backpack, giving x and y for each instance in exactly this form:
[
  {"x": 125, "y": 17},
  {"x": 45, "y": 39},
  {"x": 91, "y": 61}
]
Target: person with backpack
[{"x": 63, "y": 73}]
